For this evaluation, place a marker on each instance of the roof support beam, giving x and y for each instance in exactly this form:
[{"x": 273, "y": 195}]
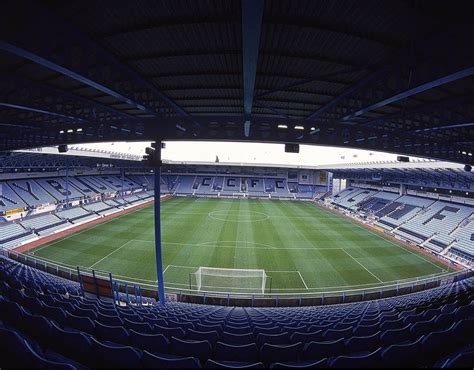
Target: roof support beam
[
  {"x": 252, "y": 14},
  {"x": 71, "y": 74},
  {"x": 41, "y": 111},
  {"x": 415, "y": 90},
  {"x": 111, "y": 76},
  {"x": 351, "y": 90},
  {"x": 445, "y": 127}
]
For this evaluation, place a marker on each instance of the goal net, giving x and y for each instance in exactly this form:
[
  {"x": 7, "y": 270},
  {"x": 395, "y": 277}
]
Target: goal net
[{"x": 230, "y": 280}]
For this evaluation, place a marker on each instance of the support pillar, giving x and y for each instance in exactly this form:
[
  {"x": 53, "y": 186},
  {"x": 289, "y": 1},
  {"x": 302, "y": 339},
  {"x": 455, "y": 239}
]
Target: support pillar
[
  {"x": 123, "y": 179},
  {"x": 67, "y": 183},
  {"x": 403, "y": 189},
  {"x": 159, "y": 256}
]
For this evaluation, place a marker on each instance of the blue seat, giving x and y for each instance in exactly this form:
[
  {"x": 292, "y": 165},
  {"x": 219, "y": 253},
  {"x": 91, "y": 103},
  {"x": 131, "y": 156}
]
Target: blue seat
[
  {"x": 208, "y": 327},
  {"x": 463, "y": 330},
  {"x": 344, "y": 325},
  {"x": 11, "y": 312},
  {"x": 332, "y": 334},
  {"x": 90, "y": 313},
  {"x": 84, "y": 324},
  {"x": 301, "y": 365},
  {"x": 198, "y": 349},
  {"x": 124, "y": 314},
  {"x": 151, "y": 361},
  {"x": 141, "y": 327},
  {"x": 237, "y": 339},
  {"x": 293, "y": 329},
  {"x": 239, "y": 353},
  {"x": 443, "y": 321},
  {"x": 34, "y": 305},
  {"x": 320, "y": 350},
  {"x": 276, "y": 339},
  {"x": 438, "y": 344},
  {"x": 412, "y": 318},
  {"x": 429, "y": 314},
  {"x": 390, "y": 325},
  {"x": 211, "y": 364},
  {"x": 314, "y": 336},
  {"x": 13, "y": 350},
  {"x": 74, "y": 345},
  {"x": 170, "y": 332},
  {"x": 422, "y": 327},
  {"x": 238, "y": 330},
  {"x": 153, "y": 343},
  {"x": 371, "y": 360},
  {"x": 464, "y": 312},
  {"x": 270, "y": 353},
  {"x": 108, "y": 356},
  {"x": 449, "y": 308},
  {"x": 116, "y": 334},
  {"x": 393, "y": 336},
  {"x": 111, "y": 320},
  {"x": 368, "y": 322},
  {"x": 403, "y": 355},
  {"x": 41, "y": 362},
  {"x": 36, "y": 326},
  {"x": 266, "y": 330},
  {"x": 210, "y": 336},
  {"x": 55, "y": 313},
  {"x": 155, "y": 321},
  {"x": 360, "y": 344},
  {"x": 181, "y": 324},
  {"x": 237, "y": 324},
  {"x": 461, "y": 360},
  {"x": 365, "y": 330}
]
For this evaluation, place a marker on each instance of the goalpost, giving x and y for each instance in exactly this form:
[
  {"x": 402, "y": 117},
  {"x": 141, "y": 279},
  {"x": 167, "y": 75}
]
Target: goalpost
[{"x": 231, "y": 280}]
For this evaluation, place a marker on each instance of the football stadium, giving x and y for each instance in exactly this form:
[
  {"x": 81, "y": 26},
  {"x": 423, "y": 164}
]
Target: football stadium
[{"x": 237, "y": 184}]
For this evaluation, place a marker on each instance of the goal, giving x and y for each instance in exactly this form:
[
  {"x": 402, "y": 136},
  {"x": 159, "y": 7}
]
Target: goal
[{"x": 230, "y": 280}]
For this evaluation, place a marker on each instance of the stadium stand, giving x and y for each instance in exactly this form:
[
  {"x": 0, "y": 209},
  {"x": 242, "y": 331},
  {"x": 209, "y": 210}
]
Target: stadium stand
[
  {"x": 44, "y": 224},
  {"x": 9, "y": 199},
  {"x": 218, "y": 183},
  {"x": 185, "y": 185},
  {"x": 45, "y": 321},
  {"x": 31, "y": 192},
  {"x": 442, "y": 227},
  {"x": 13, "y": 234},
  {"x": 277, "y": 188},
  {"x": 463, "y": 247},
  {"x": 98, "y": 207},
  {"x": 231, "y": 186},
  {"x": 95, "y": 183},
  {"x": 204, "y": 185},
  {"x": 76, "y": 215},
  {"x": 255, "y": 187},
  {"x": 57, "y": 188}
]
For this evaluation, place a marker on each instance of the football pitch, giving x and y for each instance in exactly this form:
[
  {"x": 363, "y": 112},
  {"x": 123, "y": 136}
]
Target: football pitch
[{"x": 302, "y": 248}]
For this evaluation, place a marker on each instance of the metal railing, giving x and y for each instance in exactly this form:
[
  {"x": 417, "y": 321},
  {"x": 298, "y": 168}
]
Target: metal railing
[{"x": 312, "y": 296}]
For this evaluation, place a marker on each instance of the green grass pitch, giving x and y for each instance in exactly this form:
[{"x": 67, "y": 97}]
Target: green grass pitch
[{"x": 303, "y": 248}]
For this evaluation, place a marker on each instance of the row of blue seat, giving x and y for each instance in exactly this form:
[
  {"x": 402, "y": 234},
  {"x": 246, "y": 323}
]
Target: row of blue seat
[{"x": 435, "y": 326}]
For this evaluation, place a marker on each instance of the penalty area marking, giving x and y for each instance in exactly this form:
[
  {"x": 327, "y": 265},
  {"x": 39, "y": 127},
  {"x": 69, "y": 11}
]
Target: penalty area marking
[
  {"x": 107, "y": 256},
  {"x": 301, "y": 277},
  {"x": 366, "y": 269}
]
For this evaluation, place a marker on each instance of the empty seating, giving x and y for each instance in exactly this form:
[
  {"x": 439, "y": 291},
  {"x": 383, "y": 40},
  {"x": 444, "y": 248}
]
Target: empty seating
[{"x": 64, "y": 330}]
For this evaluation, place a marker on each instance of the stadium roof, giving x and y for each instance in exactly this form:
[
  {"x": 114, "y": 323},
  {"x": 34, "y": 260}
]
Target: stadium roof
[{"x": 394, "y": 76}]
